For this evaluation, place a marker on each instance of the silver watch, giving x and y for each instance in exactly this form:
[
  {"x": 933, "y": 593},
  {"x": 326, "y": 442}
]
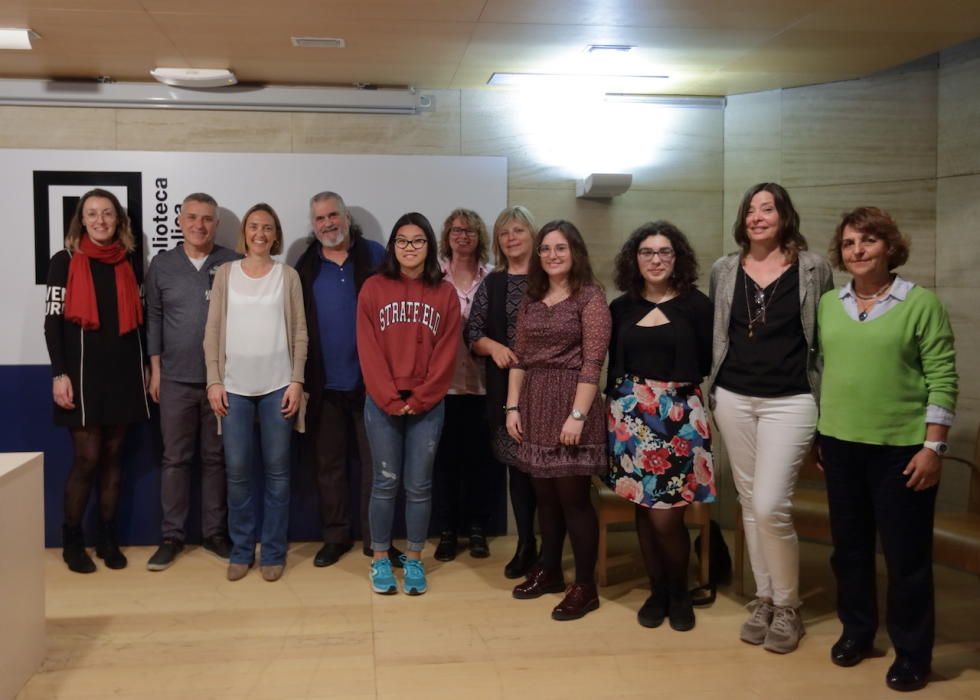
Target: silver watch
[
  {"x": 577, "y": 414},
  {"x": 940, "y": 448}
]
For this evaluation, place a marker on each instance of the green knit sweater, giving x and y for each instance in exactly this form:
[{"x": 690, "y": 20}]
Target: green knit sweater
[{"x": 879, "y": 375}]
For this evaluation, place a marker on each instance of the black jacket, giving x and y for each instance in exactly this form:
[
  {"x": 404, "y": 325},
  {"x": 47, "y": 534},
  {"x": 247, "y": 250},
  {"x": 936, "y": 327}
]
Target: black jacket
[{"x": 308, "y": 266}]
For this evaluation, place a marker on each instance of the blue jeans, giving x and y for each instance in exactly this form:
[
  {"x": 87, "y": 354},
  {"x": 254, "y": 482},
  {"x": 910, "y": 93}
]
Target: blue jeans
[
  {"x": 275, "y": 434},
  {"x": 402, "y": 447}
]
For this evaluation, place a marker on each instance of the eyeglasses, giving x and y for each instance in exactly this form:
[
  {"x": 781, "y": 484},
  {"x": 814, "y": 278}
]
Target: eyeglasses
[
  {"x": 646, "y": 254},
  {"x": 560, "y": 250},
  {"x": 459, "y": 231},
  {"x": 414, "y": 243}
]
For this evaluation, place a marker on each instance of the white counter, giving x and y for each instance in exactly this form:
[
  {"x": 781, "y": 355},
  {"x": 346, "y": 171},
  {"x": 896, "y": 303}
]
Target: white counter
[{"x": 22, "y": 642}]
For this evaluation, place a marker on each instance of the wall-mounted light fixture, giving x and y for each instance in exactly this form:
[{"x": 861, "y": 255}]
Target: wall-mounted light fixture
[
  {"x": 270, "y": 98},
  {"x": 603, "y": 185},
  {"x": 18, "y": 39},
  {"x": 194, "y": 77}
]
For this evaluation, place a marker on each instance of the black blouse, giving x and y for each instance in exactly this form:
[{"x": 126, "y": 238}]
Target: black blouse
[
  {"x": 679, "y": 351},
  {"x": 772, "y": 361}
]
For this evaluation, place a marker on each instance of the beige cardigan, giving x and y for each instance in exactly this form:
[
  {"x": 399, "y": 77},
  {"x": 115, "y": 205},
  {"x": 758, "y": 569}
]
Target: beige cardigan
[{"x": 214, "y": 331}]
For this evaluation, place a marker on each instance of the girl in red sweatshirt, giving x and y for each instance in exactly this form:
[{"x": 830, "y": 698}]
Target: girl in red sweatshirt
[{"x": 408, "y": 330}]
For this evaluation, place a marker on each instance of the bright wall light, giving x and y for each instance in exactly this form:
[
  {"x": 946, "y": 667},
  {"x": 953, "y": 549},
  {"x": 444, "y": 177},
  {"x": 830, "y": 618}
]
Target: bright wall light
[
  {"x": 581, "y": 134},
  {"x": 19, "y": 39}
]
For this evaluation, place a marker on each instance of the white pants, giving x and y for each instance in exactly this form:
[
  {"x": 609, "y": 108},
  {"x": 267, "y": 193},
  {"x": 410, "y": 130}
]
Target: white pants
[{"x": 767, "y": 440}]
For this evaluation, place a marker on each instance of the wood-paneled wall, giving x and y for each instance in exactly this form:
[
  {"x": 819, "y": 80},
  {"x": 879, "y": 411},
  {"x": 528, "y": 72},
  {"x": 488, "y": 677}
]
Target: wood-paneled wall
[{"x": 906, "y": 140}]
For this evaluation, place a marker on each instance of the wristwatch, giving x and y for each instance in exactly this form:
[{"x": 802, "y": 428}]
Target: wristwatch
[
  {"x": 940, "y": 448},
  {"x": 577, "y": 414}
]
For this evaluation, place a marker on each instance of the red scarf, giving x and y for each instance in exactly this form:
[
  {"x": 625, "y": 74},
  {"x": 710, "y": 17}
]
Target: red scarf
[{"x": 80, "y": 304}]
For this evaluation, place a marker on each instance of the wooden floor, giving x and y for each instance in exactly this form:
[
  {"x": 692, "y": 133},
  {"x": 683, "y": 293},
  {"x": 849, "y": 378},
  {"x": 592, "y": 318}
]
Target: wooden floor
[{"x": 320, "y": 633}]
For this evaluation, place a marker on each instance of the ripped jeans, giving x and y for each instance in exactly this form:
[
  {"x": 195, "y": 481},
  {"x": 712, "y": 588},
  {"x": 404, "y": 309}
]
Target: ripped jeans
[{"x": 402, "y": 448}]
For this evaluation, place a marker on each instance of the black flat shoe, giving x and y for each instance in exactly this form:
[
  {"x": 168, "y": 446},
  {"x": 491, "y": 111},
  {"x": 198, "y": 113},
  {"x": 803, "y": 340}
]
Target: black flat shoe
[
  {"x": 653, "y": 612},
  {"x": 905, "y": 675},
  {"x": 446, "y": 549},
  {"x": 680, "y": 611},
  {"x": 479, "y": 549},
  {"x": 524, "y": 558},
  {"x": 330, "y": 553},
  {"x": 848, "y": 652}
]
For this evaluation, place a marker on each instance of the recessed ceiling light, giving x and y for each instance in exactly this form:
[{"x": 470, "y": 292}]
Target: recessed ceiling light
[
  {"x": 600, "y": 49},
  {"x": 607, "y": 83},
  {"x": 19, "y": 39},
  {"x": 195, "y": 77},
  {"x": 318, "y": 42}
]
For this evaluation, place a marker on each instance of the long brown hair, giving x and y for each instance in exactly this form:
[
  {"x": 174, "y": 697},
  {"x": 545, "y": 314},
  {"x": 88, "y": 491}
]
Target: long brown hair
[
  {"x": 579, "y": 276},
  {"x": 124, "y": 232},
  {"x": 791, "y": 241}
]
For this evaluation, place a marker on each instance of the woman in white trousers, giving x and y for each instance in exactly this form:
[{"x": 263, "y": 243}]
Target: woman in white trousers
[{"x": 764, "y": 382}]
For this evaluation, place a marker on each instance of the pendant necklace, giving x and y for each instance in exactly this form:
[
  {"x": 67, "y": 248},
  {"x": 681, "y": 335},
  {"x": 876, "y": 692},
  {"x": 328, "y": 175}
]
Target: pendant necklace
[
  {"x": 759, "y": 297},
  {"x": 873, "y": 298}
]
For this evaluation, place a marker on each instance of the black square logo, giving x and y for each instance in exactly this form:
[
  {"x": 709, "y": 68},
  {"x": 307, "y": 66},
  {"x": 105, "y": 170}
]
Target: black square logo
[{"x": 56, "y": 194}]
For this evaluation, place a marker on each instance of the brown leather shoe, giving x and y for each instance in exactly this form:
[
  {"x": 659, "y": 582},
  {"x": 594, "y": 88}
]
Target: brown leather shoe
[
  {"x": 581, "y": 598},
  {"x": 272, "y": 572},
  {"x": 237, "y": 572},
  {"x": 538, "y": 583}
]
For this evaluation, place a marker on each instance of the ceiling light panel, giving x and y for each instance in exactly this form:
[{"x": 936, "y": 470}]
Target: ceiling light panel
[{"x": 318, "y": 42}]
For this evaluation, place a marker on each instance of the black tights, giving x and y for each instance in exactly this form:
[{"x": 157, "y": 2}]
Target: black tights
[
  {"x": 564, "y": 503},
  {"x": 665, "y": 544},
  {"x": 523, "y": 501},
  {"x": 97, "y": 452}
]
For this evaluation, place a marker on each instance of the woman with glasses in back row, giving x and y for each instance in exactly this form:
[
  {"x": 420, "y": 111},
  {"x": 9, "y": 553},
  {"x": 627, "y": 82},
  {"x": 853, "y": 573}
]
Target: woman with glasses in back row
[
  {"x": 555, "y": 414},
  {"x": 462, "y": 479},
  {"x": 408, "y": 332}
]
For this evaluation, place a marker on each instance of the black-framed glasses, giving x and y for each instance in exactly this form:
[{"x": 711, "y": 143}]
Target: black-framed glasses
[
  {"x": 413, "y": 243},
  {"x": 646, "y": 254},
  {"x": 460, "y": 231}
]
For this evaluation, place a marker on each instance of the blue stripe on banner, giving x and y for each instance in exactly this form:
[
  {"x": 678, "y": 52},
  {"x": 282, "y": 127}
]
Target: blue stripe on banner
[{"x": 26, "y": 426}]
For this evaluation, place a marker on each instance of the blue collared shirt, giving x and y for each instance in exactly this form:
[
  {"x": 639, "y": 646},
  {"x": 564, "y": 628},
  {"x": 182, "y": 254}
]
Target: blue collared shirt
[{"x": 335, "y": 292}]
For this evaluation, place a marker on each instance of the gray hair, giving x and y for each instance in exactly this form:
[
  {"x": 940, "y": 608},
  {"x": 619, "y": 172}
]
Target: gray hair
[
  {"x": 324, "y": 196},
  {"x": 201, "y": 197}
]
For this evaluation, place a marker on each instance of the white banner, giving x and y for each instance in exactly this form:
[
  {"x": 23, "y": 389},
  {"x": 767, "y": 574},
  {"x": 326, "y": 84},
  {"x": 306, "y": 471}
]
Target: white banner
[{"x": 39, "y": 190}]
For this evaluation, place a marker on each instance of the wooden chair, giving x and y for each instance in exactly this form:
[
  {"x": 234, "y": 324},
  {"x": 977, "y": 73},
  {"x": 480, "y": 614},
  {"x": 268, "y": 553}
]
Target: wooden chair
[
  {"x": 613, "y": 509},
  {"x": 956, "y": 535}
]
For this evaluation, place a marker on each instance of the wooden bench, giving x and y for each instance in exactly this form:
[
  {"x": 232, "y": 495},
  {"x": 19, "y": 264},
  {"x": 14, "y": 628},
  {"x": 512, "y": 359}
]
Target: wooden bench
[
  {"x": 613, "y": 509},
  {"x": 956, "y": 536}
]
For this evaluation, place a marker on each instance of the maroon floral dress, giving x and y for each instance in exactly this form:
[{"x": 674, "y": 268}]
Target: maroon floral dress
[{"x": 559, "y": 347}]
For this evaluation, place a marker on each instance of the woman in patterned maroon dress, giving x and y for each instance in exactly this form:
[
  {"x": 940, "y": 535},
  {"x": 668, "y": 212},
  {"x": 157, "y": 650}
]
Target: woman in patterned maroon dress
[{"x": 554, "y": 411}]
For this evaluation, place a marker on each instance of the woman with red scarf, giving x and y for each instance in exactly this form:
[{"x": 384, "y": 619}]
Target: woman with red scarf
[{"x": 93, "y": 320}]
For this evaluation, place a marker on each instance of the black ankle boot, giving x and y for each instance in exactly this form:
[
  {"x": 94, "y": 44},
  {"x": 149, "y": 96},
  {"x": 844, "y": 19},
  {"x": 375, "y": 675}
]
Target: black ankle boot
[
  {"x": 524, "y": 558},
  {"x": 680, "y": 610},
  {"x": 107, "y": 549},
  {"x": 73, "y": 550},
  {"x": 654, "y": 609}
]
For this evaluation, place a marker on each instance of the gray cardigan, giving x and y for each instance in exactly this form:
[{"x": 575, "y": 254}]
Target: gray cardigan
[{"x": 816, "y": 277}]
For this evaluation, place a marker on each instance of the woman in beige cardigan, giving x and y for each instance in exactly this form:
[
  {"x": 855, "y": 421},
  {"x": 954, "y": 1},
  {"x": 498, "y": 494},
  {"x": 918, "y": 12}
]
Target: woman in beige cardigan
[{"x": 255, "y": 348}]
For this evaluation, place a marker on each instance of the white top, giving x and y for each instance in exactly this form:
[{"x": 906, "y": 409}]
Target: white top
[{"x": 256, "y": 350}]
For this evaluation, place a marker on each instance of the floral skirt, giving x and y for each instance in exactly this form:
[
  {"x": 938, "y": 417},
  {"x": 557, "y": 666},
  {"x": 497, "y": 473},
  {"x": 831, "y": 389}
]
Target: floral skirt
[{"x": 659, "y": 444}]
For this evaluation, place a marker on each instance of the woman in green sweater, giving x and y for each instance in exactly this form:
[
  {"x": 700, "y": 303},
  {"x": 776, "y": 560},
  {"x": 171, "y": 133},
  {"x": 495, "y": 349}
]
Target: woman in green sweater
[{"x": 887, "y": 399}]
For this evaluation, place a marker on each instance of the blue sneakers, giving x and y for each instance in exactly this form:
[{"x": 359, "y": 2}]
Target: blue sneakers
[
  {"x": 382, "y": 579},
  {"x": 414, "y": 581}
]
